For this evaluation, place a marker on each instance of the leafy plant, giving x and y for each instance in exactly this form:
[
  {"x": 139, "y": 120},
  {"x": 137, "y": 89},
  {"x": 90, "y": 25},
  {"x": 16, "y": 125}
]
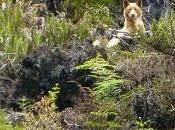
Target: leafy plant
[
  {"x": 53, "y": 94},
  {"x": 107, "y": 82},
  {"x": 143, "y": 124},
  {"x": 26, "y": 104}
]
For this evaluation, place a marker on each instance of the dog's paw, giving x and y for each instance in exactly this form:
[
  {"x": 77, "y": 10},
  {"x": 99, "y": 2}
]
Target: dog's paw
[{"x": 113, "y": 42}]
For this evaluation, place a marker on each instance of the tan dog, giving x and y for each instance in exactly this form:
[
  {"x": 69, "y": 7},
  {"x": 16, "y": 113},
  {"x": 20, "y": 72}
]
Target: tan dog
[
  {"x": 133, "y": 22},
  {"x": 133, "y": 17}
]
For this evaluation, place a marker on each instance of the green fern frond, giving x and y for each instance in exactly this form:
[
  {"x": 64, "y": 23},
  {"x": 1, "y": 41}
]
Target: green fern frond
[{"x": 107, "y": 81}]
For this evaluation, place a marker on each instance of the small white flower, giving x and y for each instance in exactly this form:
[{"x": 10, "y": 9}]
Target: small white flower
[
  {"x": 4, "y": 6},
  {"x": 97, "y": 43},
  {"x": 8, "y": 40}
]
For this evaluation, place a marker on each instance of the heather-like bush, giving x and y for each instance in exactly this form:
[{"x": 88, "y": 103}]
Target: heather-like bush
[
  {"x": 4, "y": 125},
  {"x": 46, "y": 117},
  {"x": 161, "y": 37}
]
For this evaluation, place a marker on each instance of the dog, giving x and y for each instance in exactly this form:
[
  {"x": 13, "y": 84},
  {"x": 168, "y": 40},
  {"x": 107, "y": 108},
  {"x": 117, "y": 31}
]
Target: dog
[
  {"x": 133, "y": 17},
  {"x": 133, "y": 22}
]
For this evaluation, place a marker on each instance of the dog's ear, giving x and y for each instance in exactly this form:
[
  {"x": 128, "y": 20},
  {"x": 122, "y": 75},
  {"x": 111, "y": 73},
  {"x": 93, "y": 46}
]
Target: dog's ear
[
  {"x": 139, "y": 3},
  {"x": 125, "y": 3}
]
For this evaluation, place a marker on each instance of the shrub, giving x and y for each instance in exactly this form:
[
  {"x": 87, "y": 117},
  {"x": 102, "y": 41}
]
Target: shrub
[
  {"x": 46, "y": 117},
  {"x": 57, "y": 31},
  {"x": 13, "y": 33},
  {"x": 162, "y": 35},
  {"x": 76, "y": 9},
  {"x": 4, "y": 124}
]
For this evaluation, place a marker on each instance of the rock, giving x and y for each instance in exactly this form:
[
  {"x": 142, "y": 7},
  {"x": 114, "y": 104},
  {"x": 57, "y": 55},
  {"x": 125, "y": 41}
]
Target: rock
[
  {"x": 40, "y": 70},
  {"x": 7, "y": 93},
  {"x": 53, "y": 5},
  {"x": 70, "y": 120},
  {"x": 15, "y": 117},
  {"x": 158, "y": 8},
  {"x": 44, "y": 67},
  {"x": 39, "y": 22}
]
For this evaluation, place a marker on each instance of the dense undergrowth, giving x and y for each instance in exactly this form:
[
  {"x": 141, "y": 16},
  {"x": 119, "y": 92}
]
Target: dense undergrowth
[
  {"x": 19, "y": 34},
  {"x": 4, "y": 124},
  {"x": 128, "y": 89}
]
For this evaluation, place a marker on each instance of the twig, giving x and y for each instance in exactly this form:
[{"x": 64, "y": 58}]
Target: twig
[
  {"x": 126, "y": 37},
  {"x": 120, "y": 31},
  {"x": 7, "y": 79},
  {"x": 124, "y": 42},
  {"x": 2, "y": 54},
  {"x": 71, "y": 125},
  {"x": 3, "y": 66}
]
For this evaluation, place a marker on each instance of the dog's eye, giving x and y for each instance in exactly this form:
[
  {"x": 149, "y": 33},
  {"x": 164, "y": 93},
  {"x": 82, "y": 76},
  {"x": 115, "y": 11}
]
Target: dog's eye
[
  {"x": 134, "y": 8},
  {"x": 129, "y": 9}
]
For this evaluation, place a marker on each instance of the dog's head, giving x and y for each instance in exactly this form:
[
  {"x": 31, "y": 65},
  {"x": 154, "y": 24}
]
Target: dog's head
[{"x": 132, "y": 11}]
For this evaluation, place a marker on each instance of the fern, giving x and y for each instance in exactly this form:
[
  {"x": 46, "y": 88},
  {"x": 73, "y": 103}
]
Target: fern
[
  {"x": 107, "y": 84},
  {"x": 53, "y": 94},
  {"x": 113, "y": 105}
]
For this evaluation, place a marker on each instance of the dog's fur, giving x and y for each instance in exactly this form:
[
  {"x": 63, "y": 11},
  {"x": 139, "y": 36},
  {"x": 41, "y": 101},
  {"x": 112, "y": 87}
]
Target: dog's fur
[{"x": 133, "y": 17}]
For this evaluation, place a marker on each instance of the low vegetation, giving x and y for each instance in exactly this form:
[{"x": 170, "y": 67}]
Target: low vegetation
[
  {"x": 125, "y": 88},
  {"x": 4, "y": 123}
]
